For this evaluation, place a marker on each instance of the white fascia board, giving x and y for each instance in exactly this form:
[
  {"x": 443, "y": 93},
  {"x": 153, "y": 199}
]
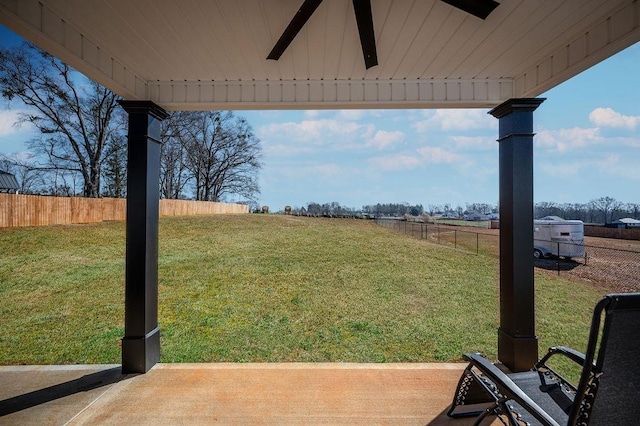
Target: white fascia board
[{"x": 325, "y": 94}]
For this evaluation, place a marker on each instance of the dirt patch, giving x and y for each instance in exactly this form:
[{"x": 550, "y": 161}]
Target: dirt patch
[
  {"x": 611, "y": 264},
  {"x": 613, "y": 243}
]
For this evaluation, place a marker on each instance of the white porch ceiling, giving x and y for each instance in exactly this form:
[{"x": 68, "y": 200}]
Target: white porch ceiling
[{"x": 211, "y": 54}]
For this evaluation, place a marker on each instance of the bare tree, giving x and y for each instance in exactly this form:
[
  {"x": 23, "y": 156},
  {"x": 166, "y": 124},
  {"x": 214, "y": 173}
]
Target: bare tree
[
  {"x": 173, "y": 169},
  {"x": 26, "y": 172},
  {"x": 114, "y": 167},
  {"x": 73, "y": 114},
  {"x": 222, "y": 154},
  {"x": 634, "y": 210},
  {"x": 606, "y": 205}
]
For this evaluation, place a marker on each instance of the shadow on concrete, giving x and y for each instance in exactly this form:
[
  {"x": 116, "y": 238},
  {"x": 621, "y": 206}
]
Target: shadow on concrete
[
  {"x": 51, "y": 393},
  {"x": 444, "y": 420}
]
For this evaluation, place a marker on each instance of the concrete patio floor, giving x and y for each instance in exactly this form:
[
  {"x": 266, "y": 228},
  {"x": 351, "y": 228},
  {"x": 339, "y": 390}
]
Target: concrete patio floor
[{"x": 288, "y": 393}]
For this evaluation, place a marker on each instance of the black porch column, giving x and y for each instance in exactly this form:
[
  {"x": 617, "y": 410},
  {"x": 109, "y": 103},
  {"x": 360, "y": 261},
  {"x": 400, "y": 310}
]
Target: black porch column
[
  {"x": 141, "y": 342},
  {"x": 517, "y": 341}
]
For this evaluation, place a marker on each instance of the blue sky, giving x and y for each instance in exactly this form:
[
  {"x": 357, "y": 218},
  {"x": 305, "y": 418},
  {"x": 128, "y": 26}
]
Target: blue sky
[{"x": 587, "y": 146}]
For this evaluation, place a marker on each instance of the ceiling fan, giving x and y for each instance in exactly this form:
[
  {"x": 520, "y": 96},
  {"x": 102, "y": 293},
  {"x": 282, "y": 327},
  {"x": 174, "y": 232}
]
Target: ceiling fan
[{"x": 364, "y": 19}]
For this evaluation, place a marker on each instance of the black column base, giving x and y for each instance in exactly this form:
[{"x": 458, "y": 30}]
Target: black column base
[
  {"x": 517, "y": 353},
  {"x": 139, "y": 354}
]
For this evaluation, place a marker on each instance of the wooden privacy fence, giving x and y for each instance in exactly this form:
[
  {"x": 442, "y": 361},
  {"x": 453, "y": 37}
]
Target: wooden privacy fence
[
  {"x": 601, "y": 231},
  {"x": 37, "y": 210}
]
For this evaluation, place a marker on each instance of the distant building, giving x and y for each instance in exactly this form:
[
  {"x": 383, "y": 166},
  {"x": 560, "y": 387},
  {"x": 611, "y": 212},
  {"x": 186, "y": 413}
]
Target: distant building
[
  {"x": 552, "y": 218},
  {"x": 627, "y": 222},
  {"x": 475, "y": 216},
  {"x": 8, "y": 183}
]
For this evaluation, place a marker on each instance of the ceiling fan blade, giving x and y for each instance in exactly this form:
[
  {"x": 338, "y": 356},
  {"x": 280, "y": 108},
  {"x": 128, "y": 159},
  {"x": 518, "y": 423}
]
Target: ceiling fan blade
[
  {"x": 479, "y": 8},
  {"x": 364, "y": 18},
  {"x": 297, "y": 22}
]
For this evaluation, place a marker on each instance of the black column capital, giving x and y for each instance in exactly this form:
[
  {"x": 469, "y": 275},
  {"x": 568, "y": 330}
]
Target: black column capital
[
  {"x": 144, "y": 107},
  {"x": 516, "y": 105}
]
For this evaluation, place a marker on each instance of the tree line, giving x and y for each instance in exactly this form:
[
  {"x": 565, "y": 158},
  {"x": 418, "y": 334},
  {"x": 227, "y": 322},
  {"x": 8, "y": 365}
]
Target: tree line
[
  {"x": 599, "y": 210},
  {"x": 334, "y": 209},
  {"x": 81, "y": 142},
  {"x": 392, "y": 209}
]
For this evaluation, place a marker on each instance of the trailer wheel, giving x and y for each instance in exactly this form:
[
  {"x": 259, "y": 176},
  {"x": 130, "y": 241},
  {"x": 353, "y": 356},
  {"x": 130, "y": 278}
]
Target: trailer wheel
[{"x": 537, "y": 254}]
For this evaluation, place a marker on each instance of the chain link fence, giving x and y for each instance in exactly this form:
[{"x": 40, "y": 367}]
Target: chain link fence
[{"x": 612, "y": 268}]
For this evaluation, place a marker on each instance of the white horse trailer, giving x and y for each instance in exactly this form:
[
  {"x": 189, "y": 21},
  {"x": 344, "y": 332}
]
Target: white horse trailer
[{"x": 563, "y": 238}]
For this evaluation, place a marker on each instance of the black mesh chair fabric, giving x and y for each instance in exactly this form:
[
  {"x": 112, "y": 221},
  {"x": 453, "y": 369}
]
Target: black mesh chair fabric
[
  {"x": 617, "y": 400},
  {"x": 548, "y": 393}
]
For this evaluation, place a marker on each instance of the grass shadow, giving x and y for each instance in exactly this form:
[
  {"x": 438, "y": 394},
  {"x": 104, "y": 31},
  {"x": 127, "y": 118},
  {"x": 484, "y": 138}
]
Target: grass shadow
[{"x": 555, "y": 264}]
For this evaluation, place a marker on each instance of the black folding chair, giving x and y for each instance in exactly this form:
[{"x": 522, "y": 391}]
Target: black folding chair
[{"x": 608, "y": 392}]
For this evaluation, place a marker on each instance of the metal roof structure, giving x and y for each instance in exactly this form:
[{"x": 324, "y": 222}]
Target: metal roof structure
[
  {"x": 212, "y": 54},
  {"x": 8, "y": 182}
]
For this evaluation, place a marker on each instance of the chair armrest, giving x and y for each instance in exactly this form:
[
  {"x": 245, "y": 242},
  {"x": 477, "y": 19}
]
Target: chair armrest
[
  {"x": 572, "y": 354},
  {"x": 508, "y": 388}
]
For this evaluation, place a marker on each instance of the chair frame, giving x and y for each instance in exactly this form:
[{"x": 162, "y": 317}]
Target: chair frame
[{"x": 484, "y": 383}]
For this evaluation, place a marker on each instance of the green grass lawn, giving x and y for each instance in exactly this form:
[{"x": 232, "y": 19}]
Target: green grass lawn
[{"x": 266, "y": 289}]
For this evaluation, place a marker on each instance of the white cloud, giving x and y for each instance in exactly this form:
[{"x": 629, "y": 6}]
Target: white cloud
[
  {"x": 285, "y": 150},
  {"x": 336, "y": 135},
  {"x": 313, "y": 174},
  {"x": 627, "y": 142},
  {"x": 270, "y": 114},
  {"x": 308, "y": 131},
  {"x": 455, "y": 119},
  {"x": 438, "y": 155},
  {"x": 21, "y": 156},
  {"x": 574, "y": 168},
  {"x": 565, "y": 140},
  {"x": 351, "y": 114},
  {"x": 395, "y": 162},
  {"x": 384, "y": 139},
  {"x": 425, "y": 155},
  {"x": 626, "y": 172},
  {"x": 475, "y": 142},
  {"x": 315, "y": 171},
  {"x": 607, "y": 117},
  {"x": 329, "y": 170},
  {"x": 8, "y": 119}
]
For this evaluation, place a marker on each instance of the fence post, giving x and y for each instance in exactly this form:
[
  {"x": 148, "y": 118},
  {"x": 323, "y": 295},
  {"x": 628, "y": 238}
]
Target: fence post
[
  {"x": 477, "y": 243},
  {"x": 558, "y": 259},
  {"x": 455, "y": 238},
  {"x": 438, "y": 235}
]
